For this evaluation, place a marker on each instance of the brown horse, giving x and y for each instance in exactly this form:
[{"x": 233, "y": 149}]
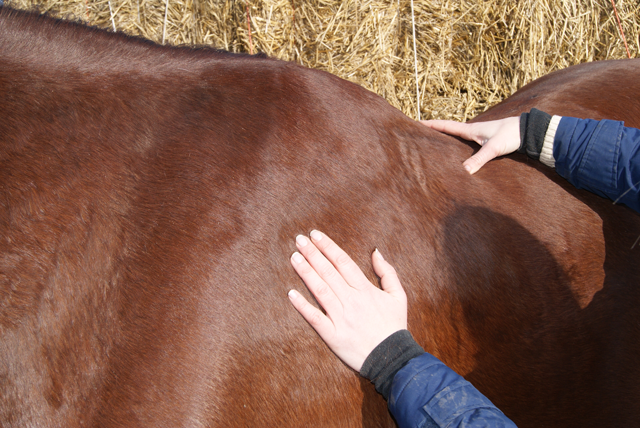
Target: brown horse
[{"x": 150, "y": 195}]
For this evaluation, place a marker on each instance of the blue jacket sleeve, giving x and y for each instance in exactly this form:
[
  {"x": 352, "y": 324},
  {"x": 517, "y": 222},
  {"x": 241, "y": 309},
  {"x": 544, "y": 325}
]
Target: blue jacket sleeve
[
  {"x": 427, "y": 394},
  {"x": 600, "y": 156}
]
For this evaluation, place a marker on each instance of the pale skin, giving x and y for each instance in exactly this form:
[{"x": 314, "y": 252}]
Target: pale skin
[
  {"x": 497, "y": 138},
  {"x": 359, "y": 315}
]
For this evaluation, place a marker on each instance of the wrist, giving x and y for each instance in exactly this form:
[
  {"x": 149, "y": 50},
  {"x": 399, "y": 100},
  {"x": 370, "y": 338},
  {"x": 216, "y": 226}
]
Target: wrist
[
  {"x": 546, "y": 155},
  {"x": 533, "y": 127},
  {"x": 391, "y": 355}
]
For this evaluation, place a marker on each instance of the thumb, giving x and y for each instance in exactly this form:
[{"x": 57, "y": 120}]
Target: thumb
[
  {"x": 477, "y": 161},
  {"x": 388, "y": 276}
]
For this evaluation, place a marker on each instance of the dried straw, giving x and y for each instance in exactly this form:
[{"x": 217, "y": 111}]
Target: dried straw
[{"x": 471, "y": 54}]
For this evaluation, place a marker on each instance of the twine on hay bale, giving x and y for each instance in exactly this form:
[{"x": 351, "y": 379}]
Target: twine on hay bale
[{"x": 471, "y": 53}]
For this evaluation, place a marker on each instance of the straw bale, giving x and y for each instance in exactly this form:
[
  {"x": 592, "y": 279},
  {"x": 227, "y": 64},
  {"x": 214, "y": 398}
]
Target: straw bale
[{"x": 471, "y": 53}]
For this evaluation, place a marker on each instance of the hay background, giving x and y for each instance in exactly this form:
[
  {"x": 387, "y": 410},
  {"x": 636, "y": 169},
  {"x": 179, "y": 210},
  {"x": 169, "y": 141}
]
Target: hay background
[{"x": 471, "y": 53}]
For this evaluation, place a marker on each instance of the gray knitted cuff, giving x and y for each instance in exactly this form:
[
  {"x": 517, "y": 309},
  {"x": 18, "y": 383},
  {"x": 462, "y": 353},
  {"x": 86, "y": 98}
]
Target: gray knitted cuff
[
  {"x": 533, "y": 126},
  {"x": 388, "y": 358}
]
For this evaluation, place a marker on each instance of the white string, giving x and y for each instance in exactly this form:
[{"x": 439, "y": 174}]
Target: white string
[
  {"x": 266, "y": 30},
  {"x": 113, "y": 23},
  {"x": 627, "y": 191},
  {"x": 620, "y": 197},
  {"x": 164, "y": 25},
  {"x": 415, "y": 58}
]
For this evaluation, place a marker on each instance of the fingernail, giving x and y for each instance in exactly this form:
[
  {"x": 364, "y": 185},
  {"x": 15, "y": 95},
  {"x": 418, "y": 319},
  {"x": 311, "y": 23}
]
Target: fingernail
[
  {"x": 378, "y": 254},
  {"x": 468, "y": 168},
  {"x": 315, "y": 235},
  {"x": 292, "y": 294},
  {"x": 301, "y": 240},
  {"x": 297, "y": 257}
]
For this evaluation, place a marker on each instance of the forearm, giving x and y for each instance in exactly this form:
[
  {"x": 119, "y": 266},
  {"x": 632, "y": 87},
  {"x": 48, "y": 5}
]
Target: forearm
[
  {"x": 423, "y": 392},
  {"x": 600, "y": 156}
]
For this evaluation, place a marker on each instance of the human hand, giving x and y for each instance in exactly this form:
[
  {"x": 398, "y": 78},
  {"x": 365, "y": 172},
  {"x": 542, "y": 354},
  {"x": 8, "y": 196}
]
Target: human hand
[
  {"x": 497, "y": 138},
  {"x": 359, "y": 315}
]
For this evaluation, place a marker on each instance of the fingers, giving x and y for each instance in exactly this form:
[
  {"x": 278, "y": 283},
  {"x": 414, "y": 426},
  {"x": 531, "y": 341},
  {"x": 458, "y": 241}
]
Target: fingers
[
  {"x": 313, "y": 315},
  {"x": 464, "y": 130},
  {"x": 355, "y": 325},
  {"x": 337, "y": 269},
  {"x": 323, "y": 292},
  {"x": 388, "y": 276},
  {"x": 497, "y": 138},
  {"x": 477, "y": 161}
]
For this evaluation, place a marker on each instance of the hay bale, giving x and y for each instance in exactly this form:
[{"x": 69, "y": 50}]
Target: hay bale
[{"x": 471, "y": 53}]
